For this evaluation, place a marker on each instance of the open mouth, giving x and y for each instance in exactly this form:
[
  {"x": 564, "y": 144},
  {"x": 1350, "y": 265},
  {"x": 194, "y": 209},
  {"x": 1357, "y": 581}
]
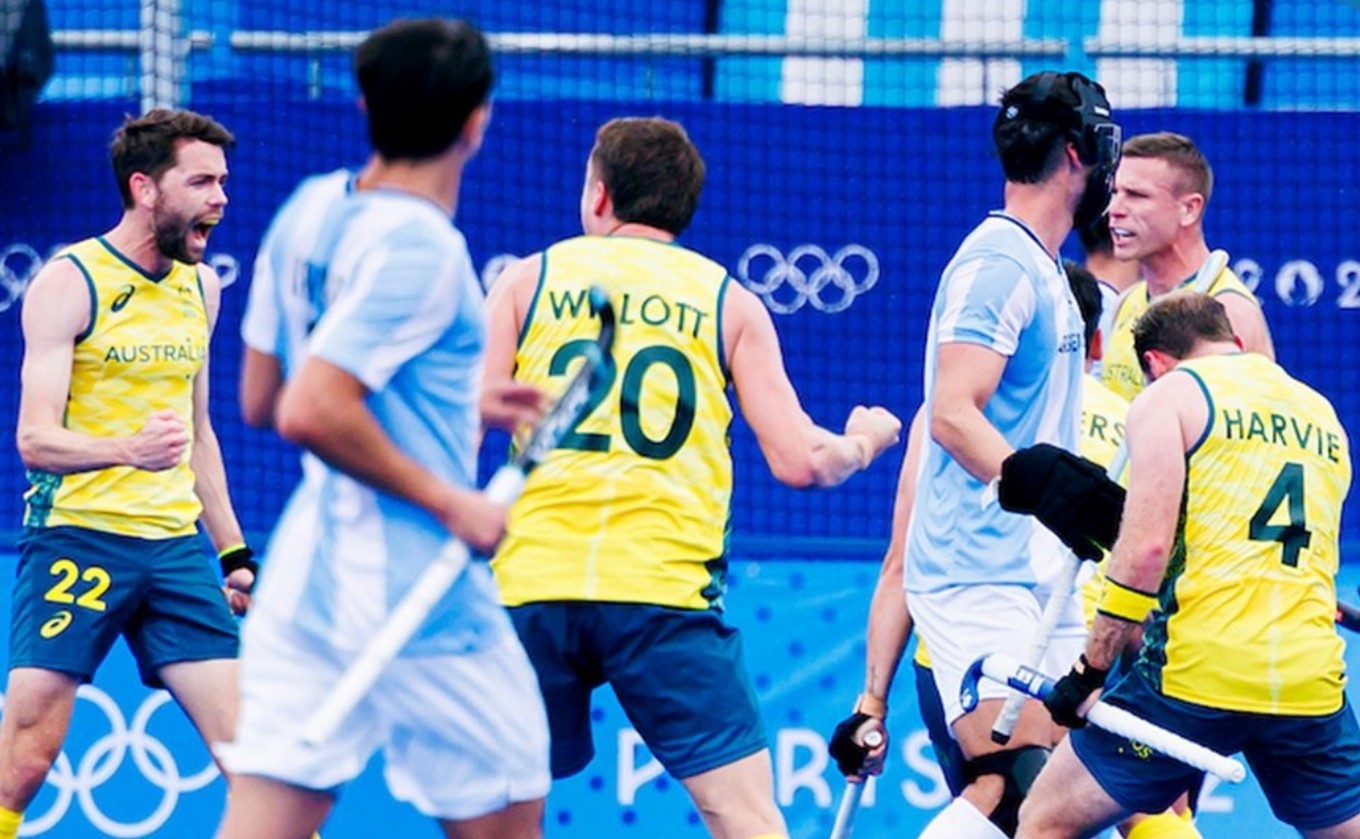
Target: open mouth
[{"x": 200, "y": 231}]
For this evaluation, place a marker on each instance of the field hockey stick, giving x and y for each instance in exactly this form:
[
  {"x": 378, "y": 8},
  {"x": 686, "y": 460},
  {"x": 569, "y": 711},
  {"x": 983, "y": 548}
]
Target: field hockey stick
[
  {"x": 845, "y": 813},
  {"x": 504, "y": 487},
  {"x": 1031, "y": 682},
  {"x": 1347, "y": 616},
  {"x": 1004, "y": 726}
]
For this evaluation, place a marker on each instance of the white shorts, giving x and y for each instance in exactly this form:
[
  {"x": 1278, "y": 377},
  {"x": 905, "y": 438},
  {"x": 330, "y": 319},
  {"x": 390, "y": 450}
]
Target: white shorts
[
  {"x": 961, "y": 624},
  {"x": 462, "y": 735}
]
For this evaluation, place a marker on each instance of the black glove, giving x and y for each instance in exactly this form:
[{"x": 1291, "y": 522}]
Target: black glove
[
  {"x": 1071, "y": 691},
  {"x": 848, "y": 752},
  {"x": 238, "y": 557},
  {"x": 1072, "y": 496}
]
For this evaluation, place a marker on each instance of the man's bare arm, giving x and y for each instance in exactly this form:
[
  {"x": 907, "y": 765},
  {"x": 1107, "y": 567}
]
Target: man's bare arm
[
  {"x": 56, "y": 311},
  {"x": 800, "y": 453}
]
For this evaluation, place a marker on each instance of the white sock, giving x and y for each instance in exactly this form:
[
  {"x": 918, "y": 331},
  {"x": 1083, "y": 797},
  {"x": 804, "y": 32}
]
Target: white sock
[{"x": 961, "y": 820}]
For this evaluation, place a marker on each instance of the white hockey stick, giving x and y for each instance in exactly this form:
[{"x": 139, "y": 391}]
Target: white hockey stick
[
  {"x": 1031, "y": 682},
  {"x": 504, "y": 487},
  {"x": 845, "y": 813},
  {"x": 1062, "y": 588}
]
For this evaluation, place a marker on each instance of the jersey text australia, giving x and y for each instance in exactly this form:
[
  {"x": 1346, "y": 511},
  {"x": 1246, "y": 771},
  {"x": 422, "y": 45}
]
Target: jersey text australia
[{"x": 147, "y": 339}]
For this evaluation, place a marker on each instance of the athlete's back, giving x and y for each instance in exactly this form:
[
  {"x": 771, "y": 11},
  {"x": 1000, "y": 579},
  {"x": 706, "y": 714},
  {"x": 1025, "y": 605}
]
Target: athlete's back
[
  {"x": 1247, "y": 610},
  {"x": 399, "y": 307},
  {"x": 632, "y": 507}
]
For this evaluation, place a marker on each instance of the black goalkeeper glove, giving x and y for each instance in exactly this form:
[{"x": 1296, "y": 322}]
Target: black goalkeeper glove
[
  {"x": 849, "y": 752},
  {"x": 1072, "y": 496},
  {"x": 1071, "y": 691}
]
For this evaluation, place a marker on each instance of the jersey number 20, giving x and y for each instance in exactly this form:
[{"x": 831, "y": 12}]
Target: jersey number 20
[{"x": 630, "y": 395}]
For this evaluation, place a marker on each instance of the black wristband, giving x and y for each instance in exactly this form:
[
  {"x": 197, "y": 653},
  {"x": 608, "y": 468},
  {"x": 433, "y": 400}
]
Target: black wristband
[{"x": 238, "y": 557}]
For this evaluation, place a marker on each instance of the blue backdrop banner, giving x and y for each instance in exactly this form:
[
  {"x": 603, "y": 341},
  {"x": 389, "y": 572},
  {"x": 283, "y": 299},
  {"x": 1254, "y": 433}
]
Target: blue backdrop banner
[{"x": 843, "y": 233}]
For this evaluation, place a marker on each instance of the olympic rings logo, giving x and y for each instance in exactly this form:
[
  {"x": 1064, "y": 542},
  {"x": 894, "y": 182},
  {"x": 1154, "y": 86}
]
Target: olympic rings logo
[
  {"x": 104, "y": 758},
  {"x": 808, "y": 272},
  {"x": 19, "y": 263}
]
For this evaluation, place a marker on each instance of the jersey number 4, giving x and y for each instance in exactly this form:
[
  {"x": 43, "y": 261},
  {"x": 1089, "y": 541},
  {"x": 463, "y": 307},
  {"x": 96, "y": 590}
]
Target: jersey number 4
[{"x": 1293, "y": 537}]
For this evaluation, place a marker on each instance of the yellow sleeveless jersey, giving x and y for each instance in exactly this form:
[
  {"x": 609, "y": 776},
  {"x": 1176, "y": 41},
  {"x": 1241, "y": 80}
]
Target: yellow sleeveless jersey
[
  {"x": 1102, "y": 430},
  {"x": 1119, "y": 369},
  {"x": 146, "y": 341},
  {"x": 1245, "y": 620},
  {"x": 633, "y": 507}
]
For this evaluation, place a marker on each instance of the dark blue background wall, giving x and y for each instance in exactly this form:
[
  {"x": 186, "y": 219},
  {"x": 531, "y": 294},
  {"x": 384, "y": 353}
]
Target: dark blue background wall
[{"x": 904, "y": 184}]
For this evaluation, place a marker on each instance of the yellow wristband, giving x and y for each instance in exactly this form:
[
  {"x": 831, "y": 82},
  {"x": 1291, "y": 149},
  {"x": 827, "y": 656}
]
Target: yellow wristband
[
  {"x": 872, "y": 706},
  {"x": 1124, "y": 603}
]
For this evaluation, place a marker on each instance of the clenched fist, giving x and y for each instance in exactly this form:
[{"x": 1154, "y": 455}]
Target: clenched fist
[{"x": 160, "y": 444}]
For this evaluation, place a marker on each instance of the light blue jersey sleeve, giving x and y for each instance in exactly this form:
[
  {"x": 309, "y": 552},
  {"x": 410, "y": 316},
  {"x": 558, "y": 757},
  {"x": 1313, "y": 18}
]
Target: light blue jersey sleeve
[{"x": 986, "y": 301}]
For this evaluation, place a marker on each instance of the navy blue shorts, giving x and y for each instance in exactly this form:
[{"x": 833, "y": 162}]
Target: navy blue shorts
[
  {"x": 1308, "y": 767},
  {"x": 77, "y": 590},
  {"x": 947, "y": 751},
  {"x": 678, "y": 674}
]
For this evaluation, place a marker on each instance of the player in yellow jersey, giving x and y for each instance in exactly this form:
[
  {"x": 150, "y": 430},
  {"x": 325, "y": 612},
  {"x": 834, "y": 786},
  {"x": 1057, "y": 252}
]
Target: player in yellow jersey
[
  {"x": 1238, "y": 473},
  {"x": 114, "y": 430},
  {"x": 614, "y": 562},
  {"x": 1161, "y": 192}
]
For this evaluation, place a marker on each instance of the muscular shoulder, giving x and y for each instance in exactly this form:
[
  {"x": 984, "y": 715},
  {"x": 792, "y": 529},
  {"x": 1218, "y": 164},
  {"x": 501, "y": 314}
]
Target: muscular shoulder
[
  {"x": 1178, "y": 398},
  {"x": 513, "y": 290},
  {"x": 58, "y": 298}
]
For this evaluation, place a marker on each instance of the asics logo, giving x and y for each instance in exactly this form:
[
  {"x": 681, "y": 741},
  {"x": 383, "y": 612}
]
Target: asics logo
[
  {"x": 808, "y": 275},
  {"x": 56, "y": 624},
  {"x": 122, "y": 299}
]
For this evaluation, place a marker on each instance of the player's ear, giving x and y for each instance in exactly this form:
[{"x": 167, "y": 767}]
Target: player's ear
[
  {"x": 475, "y": 127},
  {"x": 143, "y": 189},
  {"x": 1192, "y": 208}
]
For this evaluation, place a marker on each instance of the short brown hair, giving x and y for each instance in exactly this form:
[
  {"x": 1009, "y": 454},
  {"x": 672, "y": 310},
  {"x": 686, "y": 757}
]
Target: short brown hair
[
  {"x": 148, "y": 144},
  {"x": 1181, "y": 154},
  {"x": 1174, "y": 323},
  {"x": 652, "y": 171}
]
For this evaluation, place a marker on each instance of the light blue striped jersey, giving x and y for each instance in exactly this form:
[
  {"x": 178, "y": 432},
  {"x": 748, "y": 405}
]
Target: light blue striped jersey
[
  {"x": 390, "y": 296},
  {"x": 1002, "y": 290}
]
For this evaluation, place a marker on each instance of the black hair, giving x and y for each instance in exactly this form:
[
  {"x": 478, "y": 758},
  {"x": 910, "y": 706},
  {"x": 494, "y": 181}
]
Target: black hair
[
  {"x": 1041, "y": 115},
  {"x": 422, "y": 80}
]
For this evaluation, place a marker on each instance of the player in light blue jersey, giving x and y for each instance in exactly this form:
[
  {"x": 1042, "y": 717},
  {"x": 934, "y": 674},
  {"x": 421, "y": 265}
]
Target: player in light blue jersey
[
  {"x": 1004, "y": 361},
  {"x": 280, "y": 311},
  {"x": 379, "y": 333}
]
